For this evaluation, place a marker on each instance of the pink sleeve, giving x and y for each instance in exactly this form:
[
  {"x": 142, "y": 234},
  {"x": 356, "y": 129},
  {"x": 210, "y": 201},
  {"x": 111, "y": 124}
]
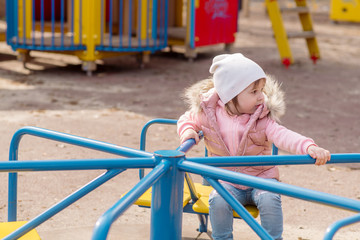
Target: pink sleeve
[
  {"x": 186, "y": 121},
  {"x": 286, "y": 139}
]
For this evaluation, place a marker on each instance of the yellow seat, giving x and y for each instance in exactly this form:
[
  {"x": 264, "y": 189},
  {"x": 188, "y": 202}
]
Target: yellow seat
[
  {"x": 201, "y": 190},
  {"x": 145, "y": 199},
  {"x": 202, "y": 204},
  {"x": 8, "y": 227}
]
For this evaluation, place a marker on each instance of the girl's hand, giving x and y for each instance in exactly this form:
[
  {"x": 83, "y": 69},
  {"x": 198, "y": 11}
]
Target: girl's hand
[
  {"x": 188, "y": 134},
  {"x": 321, "y": 155}
]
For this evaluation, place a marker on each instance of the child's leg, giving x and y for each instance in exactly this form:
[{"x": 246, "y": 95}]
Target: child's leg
[
  {"x": 221, "y": 213},
  {"x": 269, "y": 205}
]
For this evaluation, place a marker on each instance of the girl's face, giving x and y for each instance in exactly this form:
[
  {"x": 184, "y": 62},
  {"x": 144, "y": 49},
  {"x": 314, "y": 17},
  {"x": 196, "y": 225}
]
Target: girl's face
[{"x": 250, "y": 98}]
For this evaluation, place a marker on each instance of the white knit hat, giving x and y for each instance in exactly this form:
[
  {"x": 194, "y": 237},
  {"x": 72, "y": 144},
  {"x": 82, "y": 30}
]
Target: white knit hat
[{"x": 232, "y": 73}]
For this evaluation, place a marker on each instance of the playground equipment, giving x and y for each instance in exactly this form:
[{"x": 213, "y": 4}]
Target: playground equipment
[
  {"x": 282, "y": 36},
  {"x": 167, "y": 181},
  {"x": 196, "y": 195},
  {"x": 96, "y": 29},
  {"x": 90, "y": 30},
  {"x": 205, "y": 23},
  {"x": 345, "y": 10}
]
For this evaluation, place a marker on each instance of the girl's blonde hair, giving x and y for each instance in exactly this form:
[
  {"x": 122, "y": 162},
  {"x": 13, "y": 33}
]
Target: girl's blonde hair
[{"x": 235, "y": 102}]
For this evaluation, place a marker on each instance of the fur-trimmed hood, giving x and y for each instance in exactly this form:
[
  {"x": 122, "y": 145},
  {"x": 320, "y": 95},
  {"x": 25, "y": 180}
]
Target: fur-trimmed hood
[{"x": 274, "y": 96}]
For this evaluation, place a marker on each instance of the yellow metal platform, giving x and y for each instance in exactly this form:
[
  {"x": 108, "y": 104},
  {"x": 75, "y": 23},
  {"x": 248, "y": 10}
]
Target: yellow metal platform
[
  {"x": 345, "y": 10},
  {"x": 8, "y": 227}
]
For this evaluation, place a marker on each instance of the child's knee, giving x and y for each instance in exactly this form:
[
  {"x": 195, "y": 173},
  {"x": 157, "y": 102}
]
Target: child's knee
[
  {"x": 218, "y": 202},
  {"x": 267, "y": 199}
]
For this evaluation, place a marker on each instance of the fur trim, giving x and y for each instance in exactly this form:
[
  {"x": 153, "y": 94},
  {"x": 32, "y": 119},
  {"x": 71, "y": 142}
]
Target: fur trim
[
  {"x": 274, "y": 96},
  {"x": 193, "y": 94}
]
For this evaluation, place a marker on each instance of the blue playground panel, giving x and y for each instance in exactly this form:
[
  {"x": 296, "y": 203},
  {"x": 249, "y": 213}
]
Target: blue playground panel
[
  {"x": 63, "y": 25},
  {"x": 167, "y": 180}
]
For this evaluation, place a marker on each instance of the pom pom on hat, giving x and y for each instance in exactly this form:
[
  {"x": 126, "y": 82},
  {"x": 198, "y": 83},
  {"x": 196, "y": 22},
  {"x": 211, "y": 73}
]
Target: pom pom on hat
[{"x": 232, "y": 73}]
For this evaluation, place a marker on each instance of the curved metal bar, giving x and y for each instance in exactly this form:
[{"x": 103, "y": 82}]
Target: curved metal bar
[
  {"x": 74, "y": 140},
  {"x": 193, "y": 165},
  {"x": 103, "y": 224},
  {"x": 148, "y": 124},
  {"x": 240, "y": 209},
  {"x": 144, "y": 132},
  {"x": 270, "y": 160},
  {"x": 331, "y": 230},
  {"x": 185, "y": 147},
  {"x": 64, "y": 203},
  {"x": 277, "y": 187},
  {"x": 78, "y": 164},
  {"x": 188, "y": 144},
  {"x": 61, "y": 137}
]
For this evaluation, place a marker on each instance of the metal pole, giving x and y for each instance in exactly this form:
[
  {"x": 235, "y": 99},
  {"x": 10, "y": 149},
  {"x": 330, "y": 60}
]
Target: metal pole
[
  {"x": 146, "y": 127},
  {"x": 331, "y": 230},
  {"x": 13, "y": 180},
  {"x": 240, "y": 209},
  {"x": 271, "y": 186},
  {"x": 103, "y": 224},
  {"x": 270, "y": 160},
  {"x": 63, "y": 204},
  {"x": 76, "y": 164},
  {"x": 167, "y": 197},
  {"x": 79, "y": 141},
  {"x": 61, "y": 137}
]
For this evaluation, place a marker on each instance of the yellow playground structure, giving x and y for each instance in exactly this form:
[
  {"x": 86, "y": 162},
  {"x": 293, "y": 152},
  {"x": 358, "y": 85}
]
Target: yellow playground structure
[
  {"x": 345, "y": 10},
  {"x": 282, "y": 36},
  {"x": 95, "y": 29},
  {"x": 91, "y": 30}
]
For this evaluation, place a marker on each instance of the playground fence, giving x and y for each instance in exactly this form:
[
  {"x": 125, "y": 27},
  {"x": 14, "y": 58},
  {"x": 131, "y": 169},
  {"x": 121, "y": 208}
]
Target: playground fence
[{"x": 91, "y": 29}]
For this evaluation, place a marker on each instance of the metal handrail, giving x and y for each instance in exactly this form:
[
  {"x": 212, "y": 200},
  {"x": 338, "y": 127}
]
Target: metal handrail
[
  {"x": 242, "y": 161},
  {"x": 104, "y": 223},
  {"x": 144, "y": 132},
  {"x": 62, "y": 165},
  {"x": 185, "y": 147},
  {"x": 206, "y": 167},
  {"x": 148, "y": 124},
  {"x": 270, "y": 160},
  {"x": 63, "y": 204},
  {"x": 240, "y": 209},
  {"x": 76, "y": 164},
  {"x": 213, "y": 174},
  {"x": 331, "y": 230},
  {"x": 264, "y": 184},
  {"x": 74, "y": 140}
]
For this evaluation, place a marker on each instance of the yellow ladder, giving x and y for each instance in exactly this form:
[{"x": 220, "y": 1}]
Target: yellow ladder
[{"x": 281, "y": 36}]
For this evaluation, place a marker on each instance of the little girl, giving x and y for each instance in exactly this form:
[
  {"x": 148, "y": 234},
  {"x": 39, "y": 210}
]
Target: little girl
[{"x": 238, "y": 111}]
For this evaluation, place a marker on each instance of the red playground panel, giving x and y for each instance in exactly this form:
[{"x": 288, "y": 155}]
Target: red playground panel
[{"x": 215, "y": 22}]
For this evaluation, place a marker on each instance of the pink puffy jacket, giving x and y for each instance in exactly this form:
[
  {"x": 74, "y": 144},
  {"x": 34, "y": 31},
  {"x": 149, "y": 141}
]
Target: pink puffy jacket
[{"x": 226, "y": 135}]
